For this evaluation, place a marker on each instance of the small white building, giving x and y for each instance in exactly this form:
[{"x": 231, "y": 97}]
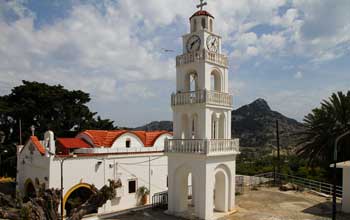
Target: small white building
[
  {"x": 92, "y": 158},
  {"x": 346, "y": 185}
]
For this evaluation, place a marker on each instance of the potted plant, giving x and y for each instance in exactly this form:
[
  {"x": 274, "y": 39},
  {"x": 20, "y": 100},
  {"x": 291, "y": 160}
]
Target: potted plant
[{"x": 143, "y": 192}]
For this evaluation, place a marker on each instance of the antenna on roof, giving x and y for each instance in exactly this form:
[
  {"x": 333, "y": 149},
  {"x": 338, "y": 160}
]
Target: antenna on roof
[
  {"x": 32, "y": 128},
  {"x": 202, "y": 4}
]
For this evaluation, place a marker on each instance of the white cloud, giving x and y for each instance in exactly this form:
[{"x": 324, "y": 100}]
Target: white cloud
[
  {"x": 115, "y": 54},
  {"x": 298, "y": 75}
]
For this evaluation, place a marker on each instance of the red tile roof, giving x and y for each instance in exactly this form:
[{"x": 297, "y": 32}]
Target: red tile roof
[
  {"x": 106, "y": 138},
  {"x": 202, "y": 13},
  {"x": 72, "y": 143},
  {"x": 35, "y": 141}
]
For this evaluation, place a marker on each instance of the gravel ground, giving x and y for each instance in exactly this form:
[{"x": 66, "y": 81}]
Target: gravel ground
[{"x": 264, "y": 204}]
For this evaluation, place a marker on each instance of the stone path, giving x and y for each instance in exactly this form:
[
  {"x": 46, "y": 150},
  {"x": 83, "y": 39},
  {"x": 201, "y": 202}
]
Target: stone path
[{"x": 264, "y": 204}]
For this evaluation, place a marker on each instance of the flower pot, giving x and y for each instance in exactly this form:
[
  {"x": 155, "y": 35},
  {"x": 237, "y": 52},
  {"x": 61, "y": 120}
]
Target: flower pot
[{"x": 144, "y": 200}]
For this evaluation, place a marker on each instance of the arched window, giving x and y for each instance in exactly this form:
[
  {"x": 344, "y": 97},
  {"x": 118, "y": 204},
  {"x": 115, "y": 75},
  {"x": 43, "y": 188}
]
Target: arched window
[
  {"x": 194, "y": 126},
  {"x": 194, "y": 28},
  {"x": 214, "y": 126},
  {"x": 222, "y": 126},
  {"x": 211, "y": 25},
  {"x": 185, "y": 127},
  {"x": 191, "y": 82},
  {"x": 215, "y": 81},
  {"x": 203, "y": 23},
  {"x": 128, "y": 143}
]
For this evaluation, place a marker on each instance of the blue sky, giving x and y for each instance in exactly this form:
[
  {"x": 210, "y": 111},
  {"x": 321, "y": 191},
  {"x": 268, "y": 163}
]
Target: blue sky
[{"x": 293, "y": 53}]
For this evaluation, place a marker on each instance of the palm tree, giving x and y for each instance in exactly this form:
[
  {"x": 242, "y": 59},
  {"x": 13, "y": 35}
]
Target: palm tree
[{"x": 322, "y": 126}]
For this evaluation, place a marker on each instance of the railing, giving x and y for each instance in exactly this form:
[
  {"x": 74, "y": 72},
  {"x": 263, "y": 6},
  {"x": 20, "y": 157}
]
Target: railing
[
  {"x": 202, "y": 55},
  {"x": 202, "y": 146},
  {"x": 321, "y": 187},
  {"x": 202, "y": 96},
  {"x": 160, "y": 200}
]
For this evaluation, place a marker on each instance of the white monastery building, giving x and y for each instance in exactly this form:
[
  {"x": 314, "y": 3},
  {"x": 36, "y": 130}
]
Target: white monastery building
[
  {"x": 199, "y": 158},
  {"x": 92, "y": 158}
]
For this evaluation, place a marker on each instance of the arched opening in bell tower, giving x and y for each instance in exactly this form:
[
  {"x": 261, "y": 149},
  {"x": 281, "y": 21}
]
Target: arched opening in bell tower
[
  {"x": 215, "y": 81},
  {"x": 222, "y": 186},
  {"x": 185, "y": 127},
  {"x": 214, "y": 126},
  {"x": 222, "y": 126},
  {"x": 184, "y": 182},
  {"x": 191, "y": 82},
  {"x": 194, "y": 126}
]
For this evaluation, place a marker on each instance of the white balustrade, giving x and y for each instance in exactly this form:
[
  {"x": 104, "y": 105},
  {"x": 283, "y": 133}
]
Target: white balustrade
[
  {"x": 202, "y": 96},
  {"x": 202, "y": 55},
  {"x": 203, "y": 146}
]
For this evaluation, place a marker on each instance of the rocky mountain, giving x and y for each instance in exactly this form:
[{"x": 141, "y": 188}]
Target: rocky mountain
[
  {"x": 157, "y": 125},
  {"x": 254, "y": 124}
]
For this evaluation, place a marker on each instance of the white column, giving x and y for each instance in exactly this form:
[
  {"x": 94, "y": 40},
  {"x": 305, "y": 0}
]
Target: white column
[
  {"x": 346, "y": 190},
  {"x": 204, "y": 202}
]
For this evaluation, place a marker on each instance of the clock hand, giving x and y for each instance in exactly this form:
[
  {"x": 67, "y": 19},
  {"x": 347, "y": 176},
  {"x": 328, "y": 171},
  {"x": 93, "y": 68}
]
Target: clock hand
[{"x": 194, "y": 42}]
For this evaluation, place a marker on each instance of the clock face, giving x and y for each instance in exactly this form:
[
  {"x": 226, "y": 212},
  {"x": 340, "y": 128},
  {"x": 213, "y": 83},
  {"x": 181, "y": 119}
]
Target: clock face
[
  {"x": 193, "y": 43},
  {"x": 213, "y": 43}
]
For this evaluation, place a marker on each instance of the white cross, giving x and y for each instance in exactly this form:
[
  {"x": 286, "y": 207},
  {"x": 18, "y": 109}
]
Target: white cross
[{"x": 202, "y": 4}]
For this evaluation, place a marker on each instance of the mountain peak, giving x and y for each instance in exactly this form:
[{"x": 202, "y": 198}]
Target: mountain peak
[{"x": 260, "y": 104}]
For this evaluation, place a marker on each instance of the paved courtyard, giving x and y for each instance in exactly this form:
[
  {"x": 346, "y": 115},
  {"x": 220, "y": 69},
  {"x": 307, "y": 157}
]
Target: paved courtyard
[{"x": 264, "y": 204}]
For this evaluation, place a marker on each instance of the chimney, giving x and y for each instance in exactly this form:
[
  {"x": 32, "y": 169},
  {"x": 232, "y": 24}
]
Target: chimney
[{"x": 49, "y": 142}]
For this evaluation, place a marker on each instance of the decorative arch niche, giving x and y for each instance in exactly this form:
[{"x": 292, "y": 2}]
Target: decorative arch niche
[
  {"x": 191, "y": 82},
  {"x": 216, "y": 81}
]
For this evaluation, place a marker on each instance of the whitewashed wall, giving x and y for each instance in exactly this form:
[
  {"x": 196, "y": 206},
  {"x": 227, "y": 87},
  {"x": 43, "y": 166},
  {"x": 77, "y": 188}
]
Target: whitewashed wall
[{"x": 32, "y": 166}]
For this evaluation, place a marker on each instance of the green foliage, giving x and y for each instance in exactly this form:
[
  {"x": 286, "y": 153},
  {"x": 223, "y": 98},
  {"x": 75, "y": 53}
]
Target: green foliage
[
  {"x": 46, "y": 107},
  {"x": 291, "y": 165},
  {"x": 142, "y": 191},
  {"x": 322, "y": 126}
]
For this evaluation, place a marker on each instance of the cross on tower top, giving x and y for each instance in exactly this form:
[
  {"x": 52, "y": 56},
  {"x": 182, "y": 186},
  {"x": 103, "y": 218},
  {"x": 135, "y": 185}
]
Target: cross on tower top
[{"x": 202, "y": 4}]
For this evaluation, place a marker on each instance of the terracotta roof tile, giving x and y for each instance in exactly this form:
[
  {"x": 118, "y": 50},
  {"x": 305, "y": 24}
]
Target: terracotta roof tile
[
  {"x": 102, "y": 138},
  {"x": 35, "y": 141},
  {"x": 73, "y": 143}
]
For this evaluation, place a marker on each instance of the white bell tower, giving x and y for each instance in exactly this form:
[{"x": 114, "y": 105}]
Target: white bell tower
[{"x": 202, "y": 155}]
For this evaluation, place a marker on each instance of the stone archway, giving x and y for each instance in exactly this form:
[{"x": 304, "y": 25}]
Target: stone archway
[
  {"x": 29, "y": 190},
  {"x": 222, "y": 188},
  {"x": 76, "y": 196},
  {"x": 182, "y": 190}
]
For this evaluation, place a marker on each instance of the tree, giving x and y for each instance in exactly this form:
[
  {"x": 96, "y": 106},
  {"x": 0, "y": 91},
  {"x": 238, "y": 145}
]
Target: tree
[
  {"x": 46, "y": 107},
  {"x": 322, "y": 126}
]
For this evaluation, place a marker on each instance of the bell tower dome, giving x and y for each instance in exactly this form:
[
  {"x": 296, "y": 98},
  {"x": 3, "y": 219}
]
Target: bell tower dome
[{"x": 202, "y": 20}]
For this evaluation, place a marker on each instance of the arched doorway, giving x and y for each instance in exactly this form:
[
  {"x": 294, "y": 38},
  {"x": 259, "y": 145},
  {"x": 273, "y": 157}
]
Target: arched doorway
[
  {"x": 29, "y": 190},
  {"x": 222, "y": 189},
  {"x": 184, "y": 188},
  {"x": 76, "y": 196}
]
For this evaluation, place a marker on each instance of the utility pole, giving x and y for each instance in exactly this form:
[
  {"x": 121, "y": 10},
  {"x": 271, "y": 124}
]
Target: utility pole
[
  {"x": 149, "y": 175},
  {"x": 278, "y": 148}
]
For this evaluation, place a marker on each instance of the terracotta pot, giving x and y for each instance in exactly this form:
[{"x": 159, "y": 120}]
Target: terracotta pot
[{"x": 144, "y": 200}]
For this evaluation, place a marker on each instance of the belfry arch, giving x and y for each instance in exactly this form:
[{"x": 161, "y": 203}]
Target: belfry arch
[
  {"x": 194, "y": 126},
  {"x": 216, "y": 81},
  {"x": 191, "y": 82},
  {"x": 185, "y": 131}
]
